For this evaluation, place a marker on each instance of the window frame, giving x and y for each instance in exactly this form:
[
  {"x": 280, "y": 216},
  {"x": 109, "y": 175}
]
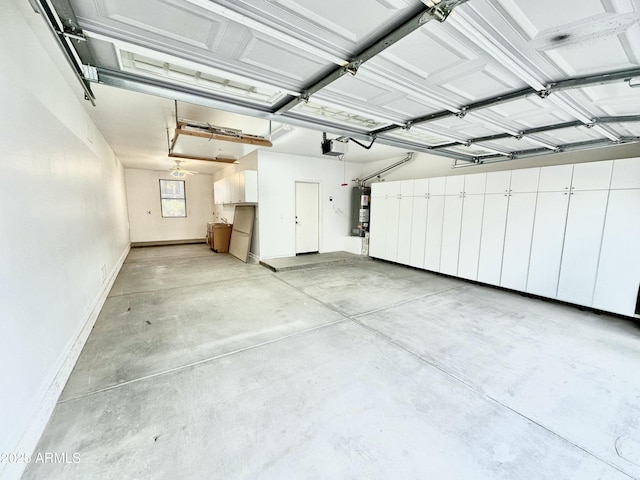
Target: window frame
[{"x": 183, "y": 198}]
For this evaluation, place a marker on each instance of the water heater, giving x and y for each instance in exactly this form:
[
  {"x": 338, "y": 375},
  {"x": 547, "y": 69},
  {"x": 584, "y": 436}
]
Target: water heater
[{"x": 360, "y": 196}]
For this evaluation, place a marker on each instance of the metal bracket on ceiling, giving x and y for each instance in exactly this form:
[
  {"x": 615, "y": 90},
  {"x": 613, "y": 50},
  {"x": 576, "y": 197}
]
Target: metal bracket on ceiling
[
  {"x": 543, "y": 93},
  {"x": 352, "y": 67},
  {"x": 463, "y": 112},
  {"x": 437, "y": 12},
  {"x": 407, "y": 126},
  {"x": 519, "y": 136},
  {"x": 73, "y": 34}
]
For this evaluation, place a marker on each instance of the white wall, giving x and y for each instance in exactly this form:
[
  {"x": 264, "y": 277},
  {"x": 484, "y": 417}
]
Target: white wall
[
  {"x": 145, "y": 215},
  {"x": 426, "y": 166},
  {"x": 277, "y": 174},
  {"x": 63, "y": 228}
]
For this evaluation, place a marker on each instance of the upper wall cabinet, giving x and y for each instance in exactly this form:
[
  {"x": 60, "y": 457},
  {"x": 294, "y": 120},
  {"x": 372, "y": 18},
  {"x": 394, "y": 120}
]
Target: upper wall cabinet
[
  {"x": 525, "y": 180},
  {"x": 475, "y": 183},
  {"x": 406, "y": 188},
  {"x": 241, "y": 187},
  {"x": 498, "y": 182},
  {"x": 592, "y": 176},
  {"x": 626, "y": 174},
  {"x": 454, "y": 185},
  {"x": 394, "y": 188},
  {"x": 436, "y": 186},
  {"x": 378, "y": 190},
  {"x": 421, "y": 187},
  {"x": 555, "y": 179}
]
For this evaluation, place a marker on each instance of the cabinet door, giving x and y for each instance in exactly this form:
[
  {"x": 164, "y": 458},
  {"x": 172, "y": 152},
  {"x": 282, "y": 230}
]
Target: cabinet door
[
  {"x": 524, "y": 181},
  {"x": 474, "y": 184},
  {"x": 517, "y": 241},
  {"x": 393, "y": 188},
  {"x": 555, "y": 179},
  {"x": 454, "y": 185},
  {"x": 219, "y": 192},
  {"x": 235, "y": 182},
  {"x": 626, "y": 173},
  {"x": 230, "y": 189},
  {"x": 592, "y": 176},
  {"x": 378, "y": 189},
  {"x": 451, "y": 234},
  {"x": 433, "y": 237},
  {"x": 618, "y": 282},
  {"x": 406, "y": 188},
  {"x": 249, "y": 186},
  {"x": 546, "y": 245},
  {"x": 418, "y": 231},
  {"x": 404, "y": 229},
  {"x": 393, "y": 225},
  {"x": 498, "y": 182},
  {"x": 494, "y": 220},
  {"x": 421, "y": 187},
  {"x": 582, "y": 246},
  {"x": 437, "y": 185},
  {"x": 378, "y": 227},
  {"x": 470, "y": 233}
]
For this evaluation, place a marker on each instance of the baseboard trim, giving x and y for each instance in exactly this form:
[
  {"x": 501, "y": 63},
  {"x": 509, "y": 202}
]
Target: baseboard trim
[
  {"x": 60, "y": 373},
  {"x": 163, "y": 243}
]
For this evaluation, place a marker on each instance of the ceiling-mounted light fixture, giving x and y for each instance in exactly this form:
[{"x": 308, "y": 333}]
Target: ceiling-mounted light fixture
[{"x": 179, "y": 172}]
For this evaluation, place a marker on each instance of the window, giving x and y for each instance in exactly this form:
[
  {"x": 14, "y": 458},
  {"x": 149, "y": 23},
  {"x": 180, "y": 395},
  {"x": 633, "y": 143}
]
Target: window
[{"x": 172, "y": 198}]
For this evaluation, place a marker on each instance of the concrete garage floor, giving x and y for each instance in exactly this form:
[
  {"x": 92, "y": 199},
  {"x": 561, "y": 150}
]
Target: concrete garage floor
[{"x": 202, "y": 367}]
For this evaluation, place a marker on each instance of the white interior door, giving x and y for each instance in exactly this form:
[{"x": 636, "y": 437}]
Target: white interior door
[{"x": 307, "y": 217}]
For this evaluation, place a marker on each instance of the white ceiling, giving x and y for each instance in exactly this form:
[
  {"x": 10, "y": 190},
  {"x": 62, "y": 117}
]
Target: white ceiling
[
  {"x": 259, "y": 58},
  {"x": 135, "y": 125}
]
